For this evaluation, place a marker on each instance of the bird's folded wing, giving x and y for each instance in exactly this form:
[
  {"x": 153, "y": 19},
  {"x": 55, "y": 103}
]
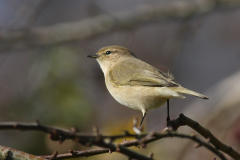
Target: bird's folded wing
[{"x": 130, "y": 74}]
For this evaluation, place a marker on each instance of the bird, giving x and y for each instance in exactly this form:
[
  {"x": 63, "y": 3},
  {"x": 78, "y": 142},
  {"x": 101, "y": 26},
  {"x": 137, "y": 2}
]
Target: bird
[{"x": 137, "y": 84}]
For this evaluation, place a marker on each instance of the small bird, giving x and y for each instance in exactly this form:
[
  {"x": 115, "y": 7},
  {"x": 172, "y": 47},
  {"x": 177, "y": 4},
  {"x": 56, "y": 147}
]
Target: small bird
[{"x": 136, "y": 84}]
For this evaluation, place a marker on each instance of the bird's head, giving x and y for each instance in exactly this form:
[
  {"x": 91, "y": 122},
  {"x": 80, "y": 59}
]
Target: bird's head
[{"x": 108, "y": 56}]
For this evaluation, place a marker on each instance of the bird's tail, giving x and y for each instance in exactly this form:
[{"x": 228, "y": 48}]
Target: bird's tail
[{"x": 187, "y": 91}]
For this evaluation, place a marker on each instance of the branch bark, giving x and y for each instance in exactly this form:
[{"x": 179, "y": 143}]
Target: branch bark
[
  {"x": 182, "y": 120},
  {"x": 61, "y": 135},
  {"x": 99, "y": 140},
  {"x": 9, "y": 153}
]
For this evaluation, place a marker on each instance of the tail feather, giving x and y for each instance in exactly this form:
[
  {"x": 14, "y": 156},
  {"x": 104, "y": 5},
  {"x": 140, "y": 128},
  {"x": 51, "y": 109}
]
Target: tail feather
[{"x": 187, "y": 91}]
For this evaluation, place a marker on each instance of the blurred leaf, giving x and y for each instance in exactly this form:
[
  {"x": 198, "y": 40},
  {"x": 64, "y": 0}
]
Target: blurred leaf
[{"x": 55, "y": 96}]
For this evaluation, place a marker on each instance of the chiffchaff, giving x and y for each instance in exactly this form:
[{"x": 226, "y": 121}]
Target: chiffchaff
[{"x": 136, "y": 84}]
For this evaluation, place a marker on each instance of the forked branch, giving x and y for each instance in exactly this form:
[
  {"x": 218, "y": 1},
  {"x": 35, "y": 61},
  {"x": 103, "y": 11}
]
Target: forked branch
[{"x": 61, "y": 135}]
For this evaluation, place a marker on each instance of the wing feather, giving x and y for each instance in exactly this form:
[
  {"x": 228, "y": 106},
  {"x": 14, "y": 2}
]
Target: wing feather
[{"x": 135, "y": 72}]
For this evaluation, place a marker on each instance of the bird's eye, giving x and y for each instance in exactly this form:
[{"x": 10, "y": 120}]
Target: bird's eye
[{"x": 108, "y": 52}]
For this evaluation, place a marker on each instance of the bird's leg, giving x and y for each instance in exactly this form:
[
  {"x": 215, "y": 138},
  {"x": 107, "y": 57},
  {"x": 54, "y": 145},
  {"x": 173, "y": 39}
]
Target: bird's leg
[
  {"x": 168, "y": 117},
  {"x": 144, "y": 114},
  {"x": 143, "y": 118}
]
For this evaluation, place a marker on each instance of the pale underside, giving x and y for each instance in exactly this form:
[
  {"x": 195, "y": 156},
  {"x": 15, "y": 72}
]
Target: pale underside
[
  {"x": 142, "y": 98},
  {"x": 140, "y": 86}
]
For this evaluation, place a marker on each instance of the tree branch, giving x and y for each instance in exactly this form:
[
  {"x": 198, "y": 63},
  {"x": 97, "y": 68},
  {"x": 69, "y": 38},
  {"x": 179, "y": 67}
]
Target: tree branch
[
  {"x": 99, "y": 140},
  {"x": 12, "y": 154},
  {"x": 142, "y": 142},
  {"x": 61, "y": 135},
  {"x": 182, "y": 120},
  {"x": 67, "y": 32}
]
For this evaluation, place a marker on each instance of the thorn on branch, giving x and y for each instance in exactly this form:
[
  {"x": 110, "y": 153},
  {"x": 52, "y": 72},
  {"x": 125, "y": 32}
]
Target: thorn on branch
[{"x": 54, "y": 137}]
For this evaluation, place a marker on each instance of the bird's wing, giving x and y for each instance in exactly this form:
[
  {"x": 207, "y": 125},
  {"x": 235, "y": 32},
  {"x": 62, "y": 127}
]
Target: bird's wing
[{"x": 139, "y": 73}]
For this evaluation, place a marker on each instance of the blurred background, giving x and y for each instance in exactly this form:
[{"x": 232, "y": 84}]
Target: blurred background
[{"x": 45, "y": 74}]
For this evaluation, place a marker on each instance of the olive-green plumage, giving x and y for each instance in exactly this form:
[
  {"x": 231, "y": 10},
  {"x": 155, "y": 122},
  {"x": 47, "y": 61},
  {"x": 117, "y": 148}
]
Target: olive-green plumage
[{"x": 135, "y": 83}]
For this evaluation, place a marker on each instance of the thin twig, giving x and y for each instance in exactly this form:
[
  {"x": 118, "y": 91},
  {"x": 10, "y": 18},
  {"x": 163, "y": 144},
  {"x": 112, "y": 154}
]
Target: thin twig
[
  {"x": 156, "y": 136},
  {"x": 85, "y": 139},
  {"x": 182, "y": 120},
  {"x": 88, "y": 140},
  {"x": 7, "y": 153}
]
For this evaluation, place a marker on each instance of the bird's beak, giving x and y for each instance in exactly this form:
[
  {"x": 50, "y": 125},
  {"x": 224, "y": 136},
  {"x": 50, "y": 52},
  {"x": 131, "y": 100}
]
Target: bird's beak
[{"x": 93, "y": 56}]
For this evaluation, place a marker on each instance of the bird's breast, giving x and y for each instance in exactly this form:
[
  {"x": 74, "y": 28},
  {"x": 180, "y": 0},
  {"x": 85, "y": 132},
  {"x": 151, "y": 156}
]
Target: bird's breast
[{"x": 136, "y": 97}]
